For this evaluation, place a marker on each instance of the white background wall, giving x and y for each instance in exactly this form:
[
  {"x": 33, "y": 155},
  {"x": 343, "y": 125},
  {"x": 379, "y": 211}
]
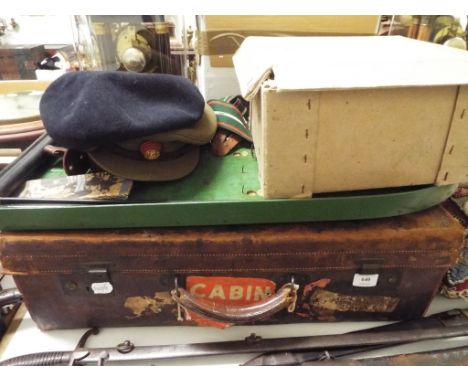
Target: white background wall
[{"x": 38, "y": 30}]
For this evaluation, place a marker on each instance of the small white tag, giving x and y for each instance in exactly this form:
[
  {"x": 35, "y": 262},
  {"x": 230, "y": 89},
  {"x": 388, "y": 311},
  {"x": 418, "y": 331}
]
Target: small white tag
[
  {"x": 365, "y": 280},
  {"x": 102, "y": 288}
]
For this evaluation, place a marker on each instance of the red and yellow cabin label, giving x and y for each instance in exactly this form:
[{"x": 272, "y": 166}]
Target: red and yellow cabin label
[{"x": 237, "y": 291}]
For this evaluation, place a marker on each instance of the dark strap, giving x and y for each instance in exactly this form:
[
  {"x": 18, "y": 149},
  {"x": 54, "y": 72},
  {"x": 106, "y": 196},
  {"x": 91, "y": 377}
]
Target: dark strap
[
  {"x": 231, "y": 115},
  {"x": 231, "y": 118}
]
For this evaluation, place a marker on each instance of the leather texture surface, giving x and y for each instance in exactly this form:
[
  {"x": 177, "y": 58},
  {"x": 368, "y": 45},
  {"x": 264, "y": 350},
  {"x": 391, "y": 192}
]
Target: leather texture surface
[{"x": 58, "y": 272}]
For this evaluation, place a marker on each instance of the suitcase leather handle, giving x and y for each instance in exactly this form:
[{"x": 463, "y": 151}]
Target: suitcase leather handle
[{"x": 285, "y": 297}]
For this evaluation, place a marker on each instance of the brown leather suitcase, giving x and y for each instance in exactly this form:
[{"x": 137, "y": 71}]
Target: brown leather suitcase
[{"x": 384, "y": 269}]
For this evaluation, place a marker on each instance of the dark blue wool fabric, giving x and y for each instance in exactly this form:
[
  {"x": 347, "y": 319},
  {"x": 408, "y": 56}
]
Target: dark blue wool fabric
[{"x": 82, "y": 110}]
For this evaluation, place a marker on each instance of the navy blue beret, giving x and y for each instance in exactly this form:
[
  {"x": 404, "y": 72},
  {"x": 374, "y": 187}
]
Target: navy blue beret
[{"x": 83, "y": 110}]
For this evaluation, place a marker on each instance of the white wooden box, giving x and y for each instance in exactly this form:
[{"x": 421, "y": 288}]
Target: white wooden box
[{"x": 351, "y": 113}]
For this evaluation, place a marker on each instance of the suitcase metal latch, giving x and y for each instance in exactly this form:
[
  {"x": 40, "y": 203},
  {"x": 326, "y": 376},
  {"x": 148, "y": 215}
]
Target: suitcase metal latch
[
  {"x": 95, "y": 280},
  {"x": 367, "y": 275},
  {"x": 100, "y": 282}
]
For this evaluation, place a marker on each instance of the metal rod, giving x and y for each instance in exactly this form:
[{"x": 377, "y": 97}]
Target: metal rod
[
  {"x": 291, "y": 358},
  {"x": 449, "y": 318},
  {"x": 152, "y": 353},
  {"x": 438, "y": 326},
  {"x": 446, "y": 357}
]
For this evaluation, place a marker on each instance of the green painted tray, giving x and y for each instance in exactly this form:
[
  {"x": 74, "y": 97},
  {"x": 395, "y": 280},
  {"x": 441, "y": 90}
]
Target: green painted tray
[{"x": 220, "y": 191}]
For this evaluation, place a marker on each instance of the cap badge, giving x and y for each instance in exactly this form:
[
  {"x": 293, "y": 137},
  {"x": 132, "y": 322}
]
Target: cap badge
[{"x": 150, "y": 150}]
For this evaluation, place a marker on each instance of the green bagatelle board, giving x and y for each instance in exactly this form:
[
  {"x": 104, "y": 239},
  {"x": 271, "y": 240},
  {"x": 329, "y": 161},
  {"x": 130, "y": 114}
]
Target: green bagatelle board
[{"x": 220, "y": 191}]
